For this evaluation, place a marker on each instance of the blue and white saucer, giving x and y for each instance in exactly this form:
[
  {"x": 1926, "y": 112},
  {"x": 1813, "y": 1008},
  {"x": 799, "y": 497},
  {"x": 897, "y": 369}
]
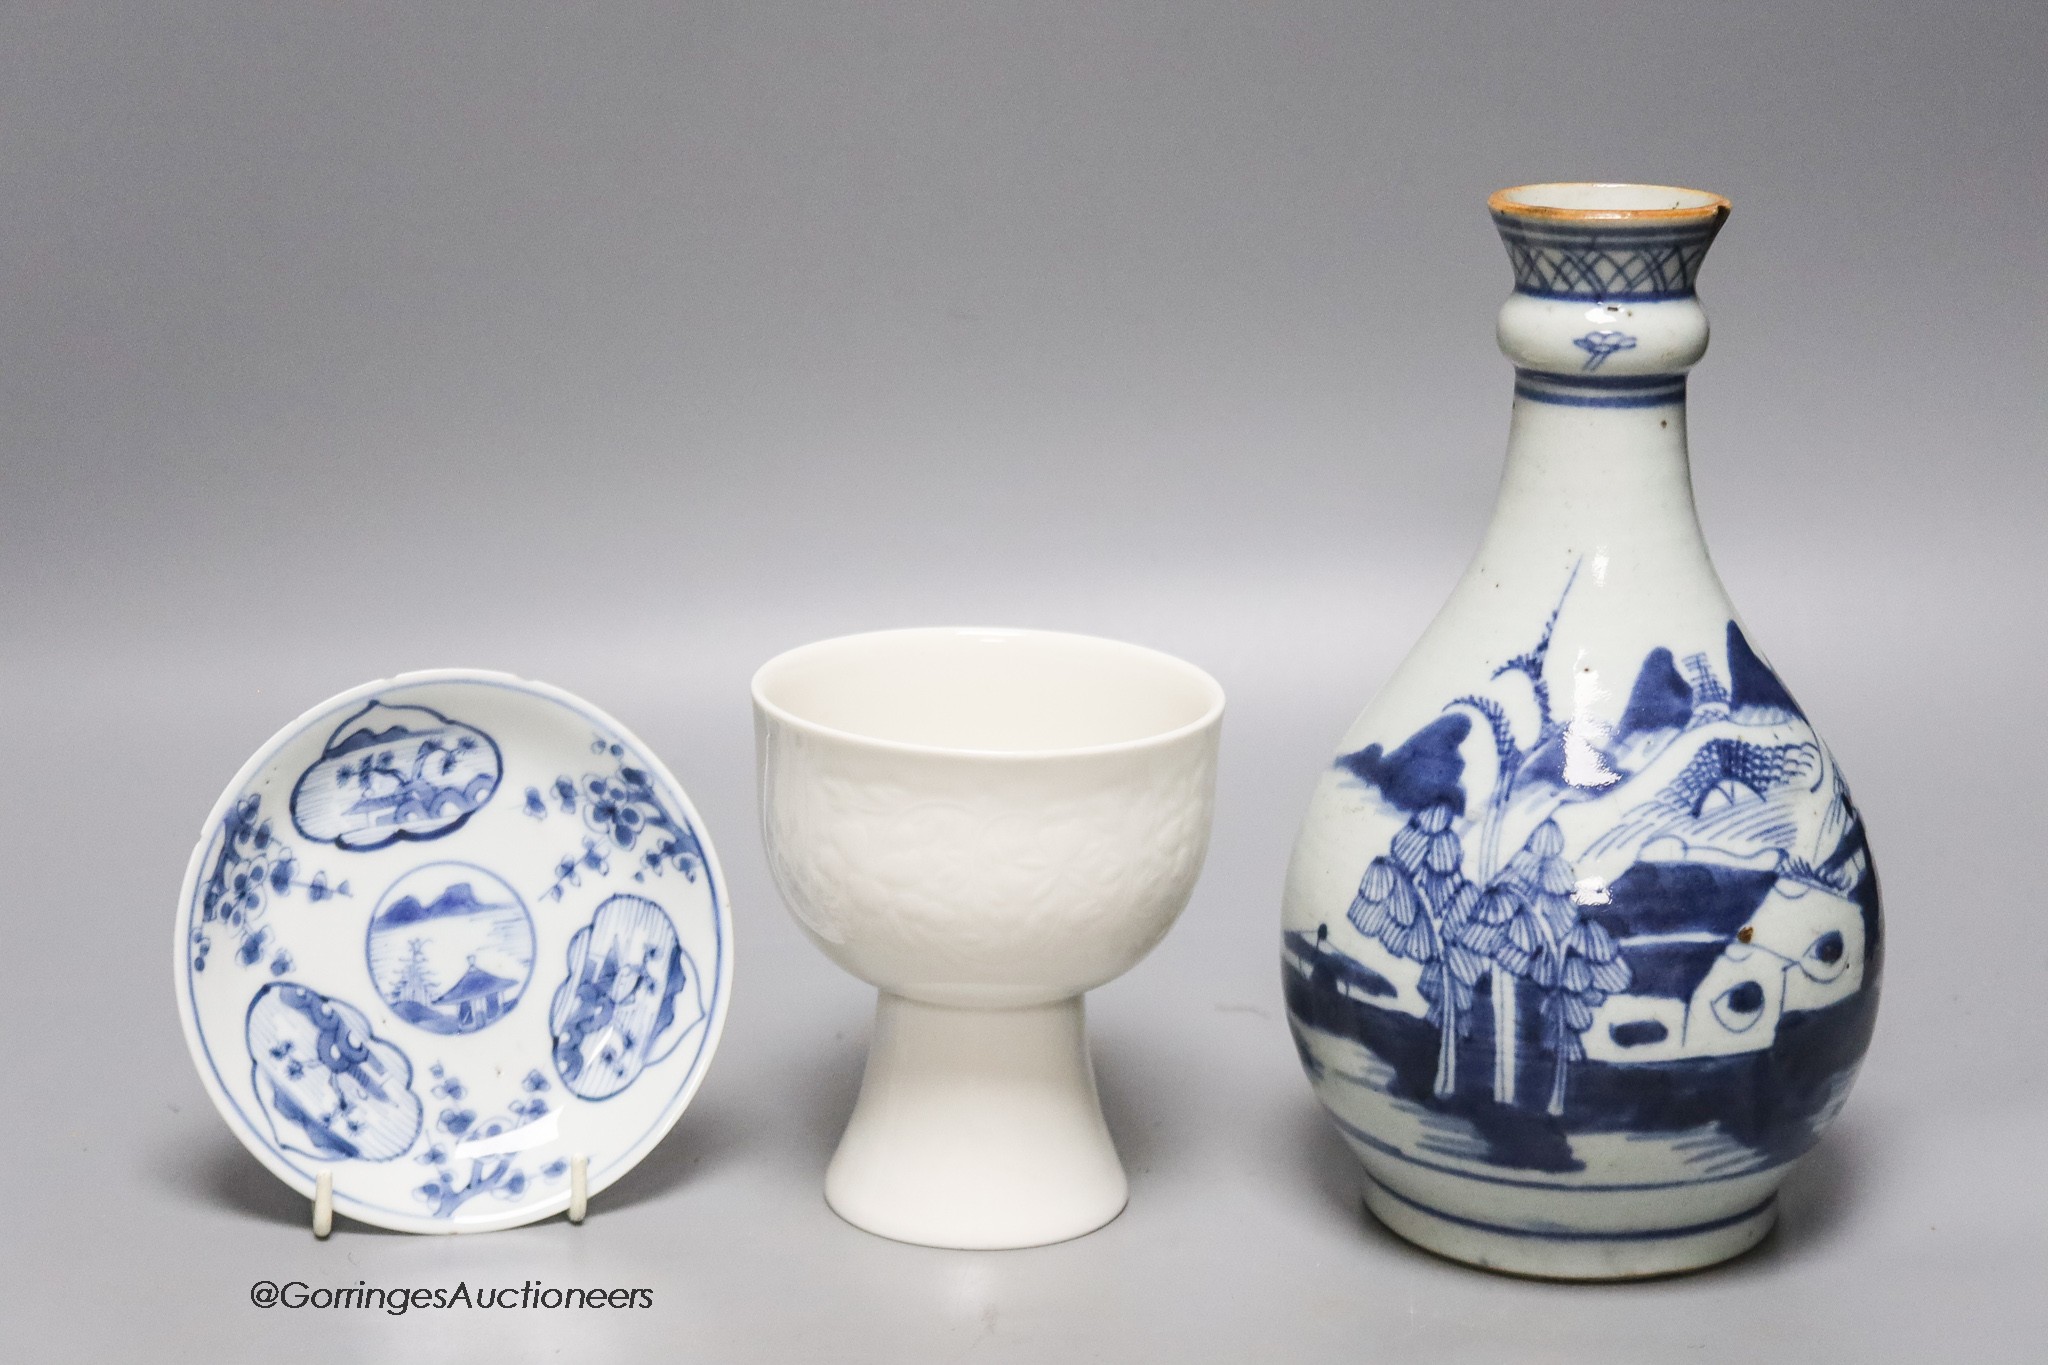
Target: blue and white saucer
[{"x": 443, "y": 934}]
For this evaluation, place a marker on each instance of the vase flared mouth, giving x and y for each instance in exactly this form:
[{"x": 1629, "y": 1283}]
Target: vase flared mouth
[{"x": 1589, "y": 201}]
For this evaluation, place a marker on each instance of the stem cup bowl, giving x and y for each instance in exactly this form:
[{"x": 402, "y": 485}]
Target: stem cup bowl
[{"x": 984, "y": 824}]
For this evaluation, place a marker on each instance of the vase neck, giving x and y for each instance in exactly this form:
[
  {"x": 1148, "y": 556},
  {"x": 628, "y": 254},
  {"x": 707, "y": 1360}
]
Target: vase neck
[
  {"x": 1602, "y": 327},
  {"x": 1581, "y": 477},
  {"x": 1604, "y": 306}
]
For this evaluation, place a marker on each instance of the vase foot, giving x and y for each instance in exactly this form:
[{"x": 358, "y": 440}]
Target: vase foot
[
  {"x": 1556, "y": 1251},
  {"x": 977, "y": 1129}
]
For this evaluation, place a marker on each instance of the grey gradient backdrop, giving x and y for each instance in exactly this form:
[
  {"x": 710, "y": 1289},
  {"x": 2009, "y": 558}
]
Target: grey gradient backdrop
[{"x": 625, "y": 345}]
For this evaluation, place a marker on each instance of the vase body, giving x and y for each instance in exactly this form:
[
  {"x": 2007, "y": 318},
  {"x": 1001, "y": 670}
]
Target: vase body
[{"x": 1581, "y": 933}]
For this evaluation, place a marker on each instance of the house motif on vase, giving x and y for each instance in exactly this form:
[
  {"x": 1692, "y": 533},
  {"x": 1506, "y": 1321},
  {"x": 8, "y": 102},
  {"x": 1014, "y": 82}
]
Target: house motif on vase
[
  {"x": 477, "y": 997},
  {"x": 1717, "y": 957},
  {"x": 1334, "y": 972}
]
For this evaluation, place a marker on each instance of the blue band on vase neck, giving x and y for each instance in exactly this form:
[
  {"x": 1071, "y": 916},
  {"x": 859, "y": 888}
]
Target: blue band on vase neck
[
  {"x": 1605, "y": 261},
  {"x": 1600, "y": 391}
]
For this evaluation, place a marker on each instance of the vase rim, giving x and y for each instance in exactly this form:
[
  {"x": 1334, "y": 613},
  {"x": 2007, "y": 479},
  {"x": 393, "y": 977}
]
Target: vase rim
[{"x": 1601, "y": 201}]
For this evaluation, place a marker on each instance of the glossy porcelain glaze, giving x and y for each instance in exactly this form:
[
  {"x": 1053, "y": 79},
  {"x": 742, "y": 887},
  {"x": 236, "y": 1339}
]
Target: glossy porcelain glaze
[
  {"x": 984, "y": 824},
  {"x": 444, "y": 934},
  {"x": 1581, "y": 933}
]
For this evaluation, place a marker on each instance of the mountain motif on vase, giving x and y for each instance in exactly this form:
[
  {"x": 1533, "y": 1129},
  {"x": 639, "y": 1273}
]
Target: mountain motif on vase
[{"x": 1660, "y": 928}]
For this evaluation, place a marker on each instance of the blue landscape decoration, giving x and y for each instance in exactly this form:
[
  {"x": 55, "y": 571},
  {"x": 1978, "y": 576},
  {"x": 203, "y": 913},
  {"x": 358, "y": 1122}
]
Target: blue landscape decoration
[
  {"x": 1666, "y": 928},
  {"x": 390, "y": 773},
  {"x": 329, "y": 1086},
  {"x": 631, "y": 995},
  {"x": 451, "y": 948}
]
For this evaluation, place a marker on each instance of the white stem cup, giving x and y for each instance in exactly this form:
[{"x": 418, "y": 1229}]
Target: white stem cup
[{"x": 983, "y": 824}]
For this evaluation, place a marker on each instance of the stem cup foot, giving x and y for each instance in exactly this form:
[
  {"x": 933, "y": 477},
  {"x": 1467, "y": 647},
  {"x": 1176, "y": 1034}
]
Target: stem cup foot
[{"x": 977, "y": 1129}]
